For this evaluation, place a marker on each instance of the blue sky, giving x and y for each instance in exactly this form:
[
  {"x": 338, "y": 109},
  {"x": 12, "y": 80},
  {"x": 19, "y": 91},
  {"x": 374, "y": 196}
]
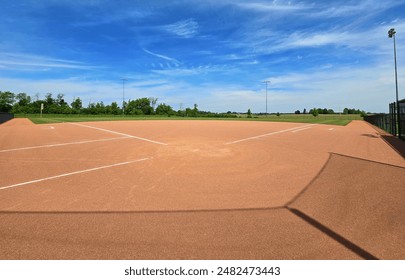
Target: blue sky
[{"x": 216, "y": 54}]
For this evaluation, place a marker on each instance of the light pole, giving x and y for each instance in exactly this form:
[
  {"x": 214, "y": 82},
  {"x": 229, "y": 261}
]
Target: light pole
[
  {"x": 123, "y": 95},
  {"x": 391, "y": 34},
  {"x": 266, "y": 82}
]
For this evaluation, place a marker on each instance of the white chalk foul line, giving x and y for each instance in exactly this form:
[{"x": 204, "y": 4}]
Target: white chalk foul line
[
  {"x": 269, "y": 134},
  {"x": 71, "y": 173},
  {"x": 119, "y": 133},
  {"x": 61, "y": 144},
  {"x": 301, "y": 129}
]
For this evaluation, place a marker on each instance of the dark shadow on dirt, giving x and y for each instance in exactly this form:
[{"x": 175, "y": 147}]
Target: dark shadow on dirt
[
  {"x": 397, "y": 144},
  {"x": 343, "y": 241},
  {"x": 370, "y": 135}
]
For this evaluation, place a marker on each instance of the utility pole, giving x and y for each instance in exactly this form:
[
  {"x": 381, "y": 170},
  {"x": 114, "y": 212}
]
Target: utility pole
[
  {"x": 123, "y": 95},
  {"x": 266, "y": 82}
]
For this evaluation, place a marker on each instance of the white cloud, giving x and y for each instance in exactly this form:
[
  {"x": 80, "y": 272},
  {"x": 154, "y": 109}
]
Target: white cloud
[
  {"x": 310, "y": 40},
  {"x": 370, "y": 88},
  {"x": 364, "y": 8},
  {"x": 161, "y": 56},
  {"x": 363, "y": 87},
  {"x": 23, "y": 61},
  {"x": 185, "y": 28},
  {"x": 191, "y": 71},
  {"x": 275, "y": 6}
]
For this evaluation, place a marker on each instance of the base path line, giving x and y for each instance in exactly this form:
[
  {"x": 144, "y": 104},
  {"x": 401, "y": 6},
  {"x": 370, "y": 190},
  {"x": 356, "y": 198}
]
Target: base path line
[
  {"x": 61, "y": 144},
  {"x": 301, "y": 129},
  {"x": 72, "y": 173},
  {"x": 271, "y": 133},
  {"x": 119, "y": 133}
]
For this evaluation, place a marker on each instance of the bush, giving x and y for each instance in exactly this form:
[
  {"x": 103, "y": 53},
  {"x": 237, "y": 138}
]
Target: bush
[{"x": 315, "y": 112}]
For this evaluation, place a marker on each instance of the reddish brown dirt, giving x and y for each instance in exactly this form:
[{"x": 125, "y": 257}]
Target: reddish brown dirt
[
  {"x": 369, "y": 212},
  {"x": 198, "y": 197}
]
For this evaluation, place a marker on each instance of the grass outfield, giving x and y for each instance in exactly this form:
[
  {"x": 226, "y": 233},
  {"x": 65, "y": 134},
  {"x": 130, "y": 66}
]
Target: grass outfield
[{"x": 321, "y": 119}]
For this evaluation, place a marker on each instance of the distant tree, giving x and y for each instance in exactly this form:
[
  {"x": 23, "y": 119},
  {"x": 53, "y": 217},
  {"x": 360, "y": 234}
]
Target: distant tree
[
  {"x": 188, "y": 112},
  {"x": 181, "y": 113},
  {"x": 314, "y": 112},
  {"x": 91, "y": 109},
  {"x": 60, "y": 100},
  {"x": 297, "y": 112},
  {"x": 163, "y": 109},
  {"x": 6, "y": 101},
  {"x": 35, "y": 107},
  {"x": 77, "y": 105},
  {"x": 278, "y": 114},
  {"x": 249, "y": 113},
  {"x": 349, "y": 111},
  {"x": 23, "y": 99},
  {"x": 113, "y": 109},
  {"x": 48, "y": 99},
  {"x": 194, "y": 112},
  {"x": 305, "y": 111},
  {"x": 100, "y": 108},
  {"x": 138, "y": 107},
  {"x": 22, "y": 104}
]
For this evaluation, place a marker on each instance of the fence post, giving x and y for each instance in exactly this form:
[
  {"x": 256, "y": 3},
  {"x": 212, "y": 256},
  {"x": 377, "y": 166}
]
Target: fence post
[{"x": 401, "y": 121}]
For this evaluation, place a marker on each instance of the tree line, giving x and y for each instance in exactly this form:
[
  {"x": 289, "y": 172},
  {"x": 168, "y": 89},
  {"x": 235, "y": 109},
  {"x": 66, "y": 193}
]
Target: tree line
[
  {"x": 22, "y": 103},
  {"x": 325, "y": 111}
]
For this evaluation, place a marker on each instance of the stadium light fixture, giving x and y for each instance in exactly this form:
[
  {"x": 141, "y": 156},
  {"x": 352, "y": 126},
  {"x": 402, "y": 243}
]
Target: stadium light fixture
[
  {"x": 391, "y": 34},
  {"x": 123, "y": 95},
  {"x": 266, "y": 82}
]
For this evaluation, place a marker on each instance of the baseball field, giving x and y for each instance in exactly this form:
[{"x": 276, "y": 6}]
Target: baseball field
[{"x": 185, "y": 189}]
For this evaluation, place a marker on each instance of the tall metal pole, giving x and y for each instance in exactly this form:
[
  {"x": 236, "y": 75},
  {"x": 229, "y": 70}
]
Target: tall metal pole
[
  {"x": 391, "y": 34},
  {"x": 123, "y": 95},
  {"x": 266, "y": 82}
]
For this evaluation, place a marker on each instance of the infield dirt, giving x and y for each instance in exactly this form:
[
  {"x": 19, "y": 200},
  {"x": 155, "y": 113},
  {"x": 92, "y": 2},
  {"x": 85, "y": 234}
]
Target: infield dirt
[{"x": 199, "y": 190}]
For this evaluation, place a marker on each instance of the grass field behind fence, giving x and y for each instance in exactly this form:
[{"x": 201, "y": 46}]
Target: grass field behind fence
[{"x": 334, "y": 119}]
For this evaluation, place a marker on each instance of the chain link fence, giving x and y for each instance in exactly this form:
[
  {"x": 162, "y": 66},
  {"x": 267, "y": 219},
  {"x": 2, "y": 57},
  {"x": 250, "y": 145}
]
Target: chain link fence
[
  {"x": 390, "y": 122},
  {"x": 5, "y": 117}
]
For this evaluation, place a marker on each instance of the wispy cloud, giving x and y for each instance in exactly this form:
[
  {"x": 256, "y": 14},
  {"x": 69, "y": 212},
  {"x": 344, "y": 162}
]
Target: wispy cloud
[
  {"x": 335, "y": 87},
  {"x": 105, "y": 18},
  {"x": 162, "y": 56},
  {"x": 334, "y": 10},
  {"x": 20, "y": 60},
  {"x": 313, "y": 40},
  {"x": 213, "y": 53},
  {"x": 275, "y": 6},
  {"x": 185, "y": 28},
  {"x": 182, "y": 72}
]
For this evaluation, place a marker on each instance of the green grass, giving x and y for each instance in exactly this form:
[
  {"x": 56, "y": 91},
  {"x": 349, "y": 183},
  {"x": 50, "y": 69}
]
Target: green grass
[
  {"x": 321, "y": 119},
  {"x": 59, "y": 118},
  {"x": 333, "y": 119}
]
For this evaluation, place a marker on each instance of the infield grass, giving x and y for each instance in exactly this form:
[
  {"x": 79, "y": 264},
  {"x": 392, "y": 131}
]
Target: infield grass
[{"x": 334, "y": 119}]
